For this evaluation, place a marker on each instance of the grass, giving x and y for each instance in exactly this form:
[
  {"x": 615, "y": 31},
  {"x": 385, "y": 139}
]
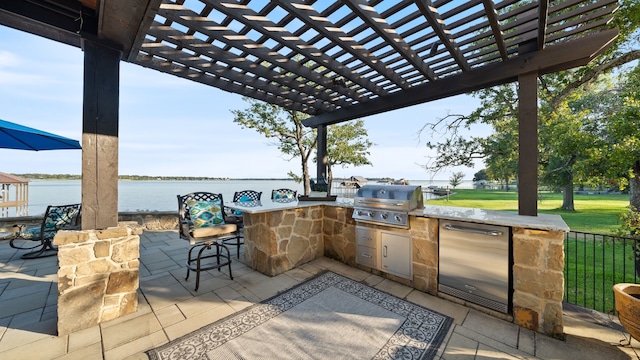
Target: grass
[
  {"x": 593, "y": 265},
  {"x": 594, "y": 213}
]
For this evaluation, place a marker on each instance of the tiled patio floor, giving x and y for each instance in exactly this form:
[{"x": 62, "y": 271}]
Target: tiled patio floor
[{"x": 169, "y": 308}]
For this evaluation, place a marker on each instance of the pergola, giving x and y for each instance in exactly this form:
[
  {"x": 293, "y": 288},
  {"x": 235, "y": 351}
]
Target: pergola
[{"x": 335, "y": 60}]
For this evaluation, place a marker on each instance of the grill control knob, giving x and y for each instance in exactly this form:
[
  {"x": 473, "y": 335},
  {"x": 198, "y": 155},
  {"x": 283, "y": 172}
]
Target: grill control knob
[
  {"x": 365, "y": 213},
  {"x": 398, "y": 218},
  {"x": 384, "y": 216}
]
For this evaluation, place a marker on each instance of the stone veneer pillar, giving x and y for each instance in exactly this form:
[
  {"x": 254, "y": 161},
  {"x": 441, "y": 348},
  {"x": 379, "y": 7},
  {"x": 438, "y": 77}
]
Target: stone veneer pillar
[
  {"x": 538, "y": 280},
  {"x": 424, "y": 239},
  {"x": 98, "y": 275}
]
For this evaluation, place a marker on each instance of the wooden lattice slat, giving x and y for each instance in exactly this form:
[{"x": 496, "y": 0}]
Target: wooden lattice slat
[{"x": 321, "y": 56}]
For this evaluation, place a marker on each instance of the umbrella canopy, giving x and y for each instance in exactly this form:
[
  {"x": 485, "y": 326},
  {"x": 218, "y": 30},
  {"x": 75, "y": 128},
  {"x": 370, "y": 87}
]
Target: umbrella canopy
[{"x": 14, "y": 136}]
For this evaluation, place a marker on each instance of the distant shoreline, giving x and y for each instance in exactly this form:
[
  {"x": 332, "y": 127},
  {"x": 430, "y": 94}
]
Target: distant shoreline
[{"x": 182, "y": 178}]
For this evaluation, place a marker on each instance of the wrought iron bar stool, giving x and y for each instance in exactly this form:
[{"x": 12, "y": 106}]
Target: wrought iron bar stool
[
  {"x": 244, "y": 196},
  {"x": 203, "y": 224}
]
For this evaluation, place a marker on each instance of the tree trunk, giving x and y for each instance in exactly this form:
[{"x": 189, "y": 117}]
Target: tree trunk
[
  {"x": 305, "y": 176},
  {"x": 634, "y": 186},
  {"x": 567, "y": 195},
  {"x": 329, "y": 179},
  {"x": 506, "y": 184}
]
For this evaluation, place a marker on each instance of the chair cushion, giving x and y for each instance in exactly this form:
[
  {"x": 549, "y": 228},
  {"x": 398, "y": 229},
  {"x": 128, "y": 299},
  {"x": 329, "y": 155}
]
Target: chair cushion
[
  {"x": 282, "y": 195},
  {"x": 33, "y": 233},
  {"x": 243, "y": 198},
  {"x": 58, "y": 218},
  {"x": 206, "y": 213},
  {"x": 206, "y": 232}
]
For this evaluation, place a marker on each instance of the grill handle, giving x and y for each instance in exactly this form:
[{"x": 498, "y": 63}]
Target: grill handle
[
  {"x": 377, "y": 203},
  {"x": 473, "y": 230}
]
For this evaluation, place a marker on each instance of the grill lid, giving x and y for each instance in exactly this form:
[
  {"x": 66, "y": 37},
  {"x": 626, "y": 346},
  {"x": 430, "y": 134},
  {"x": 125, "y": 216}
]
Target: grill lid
[
  {"x": 397, "y": 192},
  {"x": 391, "y": 197},
  {"x": 387, "y": 204}
]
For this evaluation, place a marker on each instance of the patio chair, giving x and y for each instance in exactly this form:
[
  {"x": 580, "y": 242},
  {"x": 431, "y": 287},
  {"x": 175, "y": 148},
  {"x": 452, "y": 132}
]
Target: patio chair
[
  {"x": 244, "y": 196},
  {"x": 58, "y": 217},
  {"x": 283, "y": 194},
  {"x": 203, "y": 223}
]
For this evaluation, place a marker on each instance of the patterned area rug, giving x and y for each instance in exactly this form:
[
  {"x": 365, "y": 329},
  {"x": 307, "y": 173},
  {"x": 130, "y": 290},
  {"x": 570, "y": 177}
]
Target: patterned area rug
[{"x": 326, "y": 317}]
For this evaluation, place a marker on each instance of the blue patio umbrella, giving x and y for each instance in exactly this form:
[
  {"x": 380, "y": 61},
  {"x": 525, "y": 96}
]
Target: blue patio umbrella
[{"x": 14, "y": 136}]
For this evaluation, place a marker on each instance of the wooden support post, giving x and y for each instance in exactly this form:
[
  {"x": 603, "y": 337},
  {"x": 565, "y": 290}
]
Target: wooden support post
[
  {"x": 528, "y": 144},
  {"x": 100, "y": 136},
  {"x": 322, "y": 155}
]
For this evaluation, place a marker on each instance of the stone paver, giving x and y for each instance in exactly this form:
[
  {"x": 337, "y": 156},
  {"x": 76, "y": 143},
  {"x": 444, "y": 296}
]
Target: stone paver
[
  {"x": 120, "y": 334},
  {"x": 85, "y": 338},
  {"x": 460, "y": 348},
  {"x": 169, "y": 308},
  {"x": 169, "y": 316},
  {"x": 493, "y": 328}
]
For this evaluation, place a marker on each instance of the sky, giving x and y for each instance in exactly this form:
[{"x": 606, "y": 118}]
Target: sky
[{"x": 170, "y": 126}]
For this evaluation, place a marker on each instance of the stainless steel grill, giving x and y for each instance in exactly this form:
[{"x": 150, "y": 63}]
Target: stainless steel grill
[{"x": 387, "y": 205}]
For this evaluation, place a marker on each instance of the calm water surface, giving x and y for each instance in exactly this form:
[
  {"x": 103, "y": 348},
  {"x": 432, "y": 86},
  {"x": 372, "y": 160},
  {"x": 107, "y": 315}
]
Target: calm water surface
[{"x": 161, "y": 195}]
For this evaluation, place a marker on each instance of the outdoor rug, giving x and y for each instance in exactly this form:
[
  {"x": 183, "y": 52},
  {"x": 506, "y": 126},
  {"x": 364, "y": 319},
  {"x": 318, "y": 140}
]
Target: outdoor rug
[{"x": 327, "y": 317}]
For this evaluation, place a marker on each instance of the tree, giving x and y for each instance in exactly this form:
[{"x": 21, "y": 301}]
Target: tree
[
  {"x": 481, "y": 175},
  {"x": 293, "y": 138},
  {"x": 622, "y": 153},
  {"x": 456, "y": 179},
  {"x": 568, "y": 138},
  {"x": 347, "y": 144}
]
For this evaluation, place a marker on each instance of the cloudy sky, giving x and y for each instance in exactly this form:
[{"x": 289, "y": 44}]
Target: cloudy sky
[{"x": 171, "y": 126}]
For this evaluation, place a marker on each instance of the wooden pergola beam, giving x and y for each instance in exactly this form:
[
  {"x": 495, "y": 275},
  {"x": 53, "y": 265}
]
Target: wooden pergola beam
[{"x": 553, "y": 58}]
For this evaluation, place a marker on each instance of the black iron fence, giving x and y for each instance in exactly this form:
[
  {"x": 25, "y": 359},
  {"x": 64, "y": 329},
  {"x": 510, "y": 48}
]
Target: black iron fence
[{"x": 594, "y": 263}]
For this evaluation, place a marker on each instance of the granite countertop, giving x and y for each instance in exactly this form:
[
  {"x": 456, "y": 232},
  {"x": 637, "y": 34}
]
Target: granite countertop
[
  {"x": 255, "y": 207},
  {"x": 493, "y": 217},
  {"x": 480, "y": 216}
]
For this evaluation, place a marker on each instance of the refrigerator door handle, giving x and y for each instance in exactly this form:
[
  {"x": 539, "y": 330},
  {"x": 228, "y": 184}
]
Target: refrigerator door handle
[{"x": 472, "y": 230}]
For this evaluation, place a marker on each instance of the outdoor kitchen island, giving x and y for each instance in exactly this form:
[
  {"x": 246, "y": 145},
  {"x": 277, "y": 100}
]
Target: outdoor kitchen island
[{"x": 281, "y": 236}]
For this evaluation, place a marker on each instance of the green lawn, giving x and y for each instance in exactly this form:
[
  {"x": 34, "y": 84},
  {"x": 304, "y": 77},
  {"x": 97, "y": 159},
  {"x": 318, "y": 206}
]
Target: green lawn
[
  {"x": 594, "y": 213},
  {"x": 593, "y": 266}
]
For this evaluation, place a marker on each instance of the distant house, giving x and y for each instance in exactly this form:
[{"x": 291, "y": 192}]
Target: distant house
[
  {"x": 355, "y": 181},
  {"x": 16, "y": 197}
]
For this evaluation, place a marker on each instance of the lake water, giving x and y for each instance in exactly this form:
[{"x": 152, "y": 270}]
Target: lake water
[{"x": 161, "y": 195}]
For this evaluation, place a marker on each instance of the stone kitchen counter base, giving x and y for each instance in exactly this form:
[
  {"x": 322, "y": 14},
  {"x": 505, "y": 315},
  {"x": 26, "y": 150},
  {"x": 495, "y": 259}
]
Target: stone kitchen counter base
[{"x": 279, "y": 237}]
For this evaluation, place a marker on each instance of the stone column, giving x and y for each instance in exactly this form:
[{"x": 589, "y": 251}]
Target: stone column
[
  {"x": 98, "y": 275},
  {"x": 538, "y": 280},
  {"x": 424, "y": 237}
]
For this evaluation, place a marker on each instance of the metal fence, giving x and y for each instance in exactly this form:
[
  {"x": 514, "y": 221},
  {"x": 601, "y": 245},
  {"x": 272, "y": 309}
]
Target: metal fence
[
  {"x": 594, "y": 263},
  {"x": 344, "y": 191}
]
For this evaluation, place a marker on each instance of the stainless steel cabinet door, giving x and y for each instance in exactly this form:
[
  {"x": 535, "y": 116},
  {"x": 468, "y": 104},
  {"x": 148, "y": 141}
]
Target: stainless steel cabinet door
[
  {"x": 395, "y": 252},
  {"x": 474, "y": 263}
]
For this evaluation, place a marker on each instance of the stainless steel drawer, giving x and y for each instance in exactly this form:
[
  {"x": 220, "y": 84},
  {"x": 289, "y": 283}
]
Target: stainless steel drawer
[
  {"x": 366, "y": 236},
  {"x": 367, "y": 256}
]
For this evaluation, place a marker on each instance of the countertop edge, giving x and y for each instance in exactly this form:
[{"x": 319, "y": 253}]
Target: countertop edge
[
  {"x": 494, "y": 217},
  {"x": 270, "y": 205}
]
